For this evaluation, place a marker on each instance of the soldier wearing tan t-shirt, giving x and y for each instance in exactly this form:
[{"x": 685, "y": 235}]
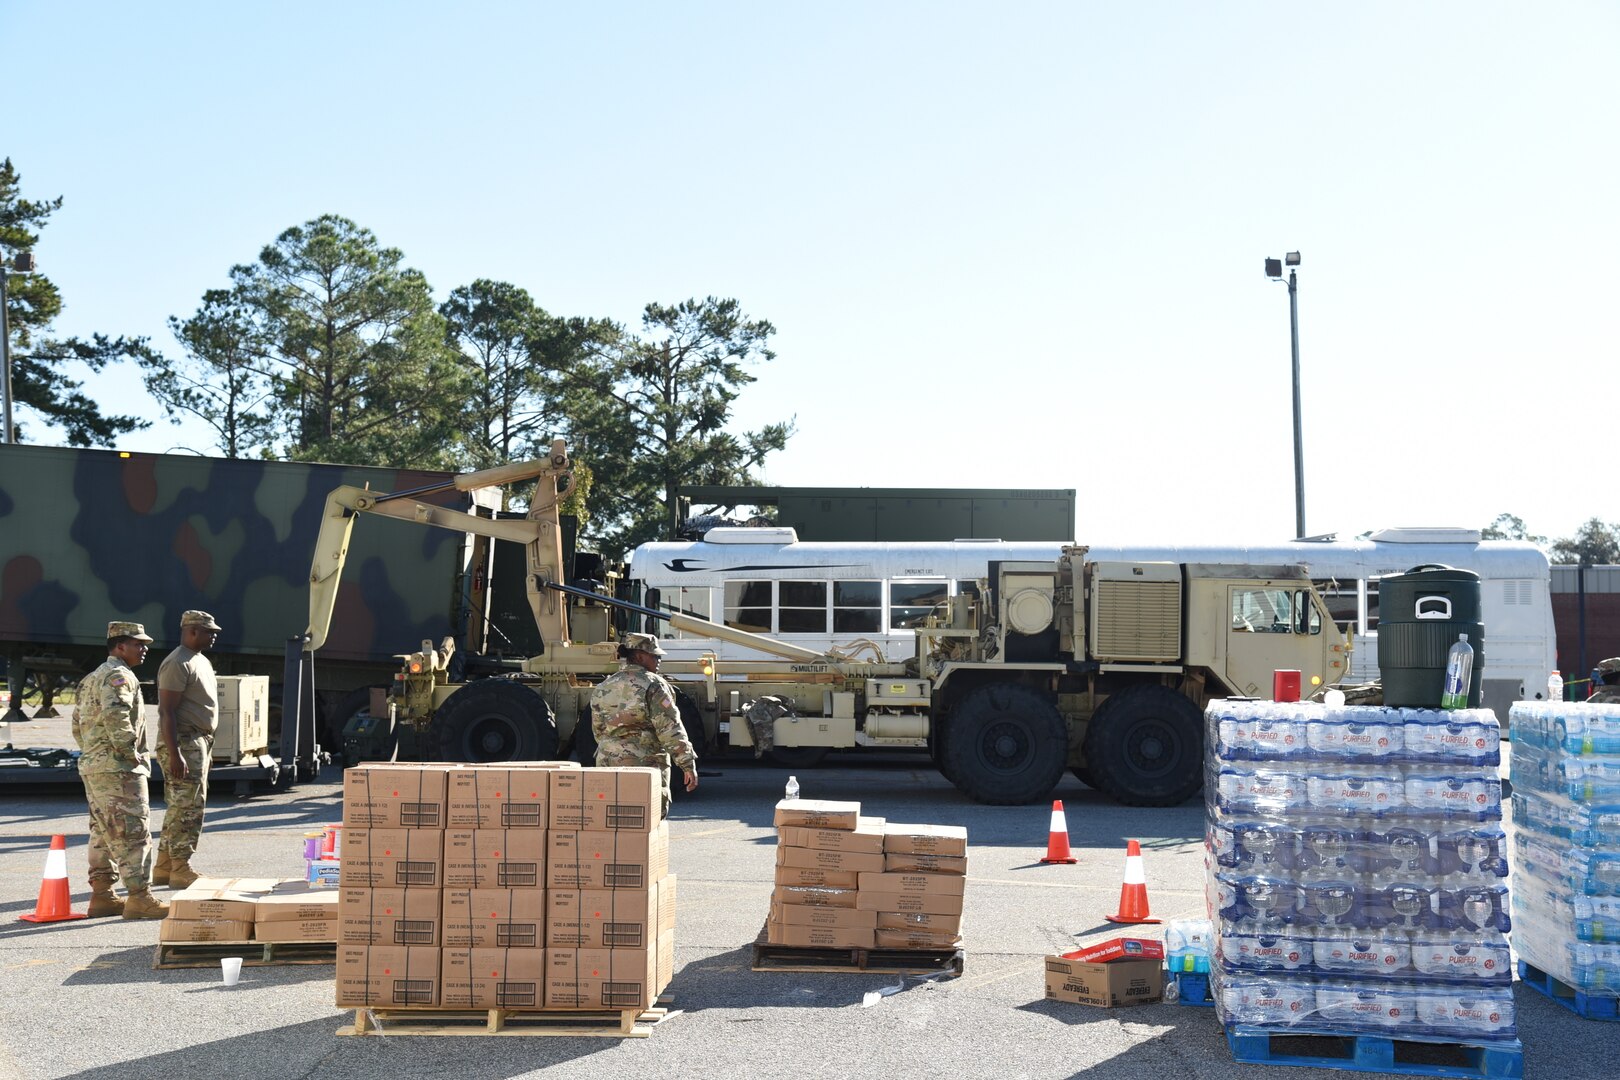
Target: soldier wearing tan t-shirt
[{"x": 188, "y": 713}]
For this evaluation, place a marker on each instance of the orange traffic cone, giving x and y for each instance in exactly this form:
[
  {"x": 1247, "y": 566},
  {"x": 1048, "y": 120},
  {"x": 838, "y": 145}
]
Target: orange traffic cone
[
  {"x": 55, "y": 903},
  {"x": 1057, "y": 838},
  {"x": 1133, "y": 901}
]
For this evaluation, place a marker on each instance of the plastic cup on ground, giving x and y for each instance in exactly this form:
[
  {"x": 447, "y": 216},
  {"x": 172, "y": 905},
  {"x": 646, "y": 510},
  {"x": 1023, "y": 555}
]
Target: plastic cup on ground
[{"x": 231, "y": 968}]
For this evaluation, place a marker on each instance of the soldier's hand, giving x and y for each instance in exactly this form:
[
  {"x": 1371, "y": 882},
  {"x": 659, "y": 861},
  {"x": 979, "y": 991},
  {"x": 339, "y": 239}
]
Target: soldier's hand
[
  {"x": 691, "y": 779},
  {"x": 177, "y": 767}
]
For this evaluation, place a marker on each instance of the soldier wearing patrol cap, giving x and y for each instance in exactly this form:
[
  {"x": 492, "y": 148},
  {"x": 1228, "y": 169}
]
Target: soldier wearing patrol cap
[
  {"x": 188, "y": 714},
  {"x": 110, "y": 727},
  {"x": 634, "y": 717}
]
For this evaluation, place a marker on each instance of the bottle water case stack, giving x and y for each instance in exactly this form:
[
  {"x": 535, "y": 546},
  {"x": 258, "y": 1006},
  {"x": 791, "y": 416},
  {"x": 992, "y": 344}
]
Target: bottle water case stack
[
  {"x": 1358, "y": 870},
  {"x": 1566, "y": 854}
]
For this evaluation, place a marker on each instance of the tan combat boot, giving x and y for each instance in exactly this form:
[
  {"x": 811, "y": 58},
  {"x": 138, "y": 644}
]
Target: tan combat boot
[
  {"x": 181, "y": 875},
  {"x": 160, "y": 869},
  {"x": 103, "y": 901},
  {"x": 141, "y": 904}
]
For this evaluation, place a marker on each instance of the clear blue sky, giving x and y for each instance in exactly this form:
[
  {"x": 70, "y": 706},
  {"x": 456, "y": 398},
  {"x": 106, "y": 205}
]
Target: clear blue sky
[{"x": 1008, "y": 245}]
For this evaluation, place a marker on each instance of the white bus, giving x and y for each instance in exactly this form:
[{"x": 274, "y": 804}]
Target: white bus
[{"x": 864, "y": 598}]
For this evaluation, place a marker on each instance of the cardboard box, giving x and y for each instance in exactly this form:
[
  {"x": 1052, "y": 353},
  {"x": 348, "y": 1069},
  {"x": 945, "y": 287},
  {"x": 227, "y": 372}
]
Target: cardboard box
[
  {"x": 1120, "y": 948},
  {"x": 384, "y": 975},
  {"x": 1123, "y": 982},
  {"x": 915, "y": 939},
  {"x": 817, "y": 814},
  {"x": 815, "y": 896},
  {"x": 609, "y": 918},
  {"x": 918, "y": 920},
  {"x": 606, "y": 860},
  {"x": 602, "y": 978},
  {"x": 494, "y": 918},
  {"x": 316, "y": 930},
  {"x": 846, "y": 862},
  {"x": 817, "y": 915},
  {"x": 493, "y": 978},
  {"x": 900, "y": 839},
  {"x": 862, "y": 838},
  {"x": 172, "y": 929},
  {"x": 218, "y": 904},
  {"x": 818, "y": 937},
  {"x": 812, "y": 875},
  {"x": 666, "y": 962},
  {"x": 389, "y": 916},
  {"x": 907, "y": 863},
  {"x": 495, "y": 859},
  {"x": 392, "y": 858},
  {"x": 932, "y": 894},
  {"x": 599, "y": 800},
  {"x": 296, "y": 901},
  {"x": 491, "y": 797},
  {"x": 385, "y": 795}
]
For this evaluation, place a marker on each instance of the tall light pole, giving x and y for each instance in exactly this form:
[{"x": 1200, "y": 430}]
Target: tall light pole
[
  {"x": 1274, "y": 269},
  {"x": 25, "y": 265}
]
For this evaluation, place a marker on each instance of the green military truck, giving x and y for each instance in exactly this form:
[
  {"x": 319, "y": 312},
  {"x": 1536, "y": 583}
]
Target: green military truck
[{"x": 91, "y": 535}]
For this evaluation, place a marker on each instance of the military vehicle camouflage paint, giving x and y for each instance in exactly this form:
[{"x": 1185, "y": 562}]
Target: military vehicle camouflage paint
[{"x": 89, "y": 535}]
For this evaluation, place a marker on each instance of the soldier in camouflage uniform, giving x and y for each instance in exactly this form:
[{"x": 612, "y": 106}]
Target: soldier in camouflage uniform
[
  {"x": 188, "y": 713},
  {"x": 634, "y": 717},
  {"x": 110, "y": 728}
]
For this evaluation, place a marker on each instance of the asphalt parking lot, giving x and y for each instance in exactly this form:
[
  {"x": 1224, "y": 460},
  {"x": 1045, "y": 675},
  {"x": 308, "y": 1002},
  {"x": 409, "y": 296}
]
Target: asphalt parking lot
[{"x": 81, "y": 999}]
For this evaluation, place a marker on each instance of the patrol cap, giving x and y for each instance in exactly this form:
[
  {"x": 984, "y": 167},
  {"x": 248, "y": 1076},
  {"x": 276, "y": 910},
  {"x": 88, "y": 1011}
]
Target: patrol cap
[
  {"x": 198, "y": 618},
  {"x": 643, "y": 642},
  {"x": 127, "y": 629}
]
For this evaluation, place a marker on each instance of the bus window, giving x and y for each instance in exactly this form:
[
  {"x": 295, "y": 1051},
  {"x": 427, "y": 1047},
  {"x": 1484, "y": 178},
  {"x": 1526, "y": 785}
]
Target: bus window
[
  {"x": 910, "y": 602},
  {"x": 802, "y": 607},
  {"x": 857, "y": 607},
  {"x": 1262, "y": 611},
  {"x": 748, "y": 606},
  {"x": 689, "y": 601}
]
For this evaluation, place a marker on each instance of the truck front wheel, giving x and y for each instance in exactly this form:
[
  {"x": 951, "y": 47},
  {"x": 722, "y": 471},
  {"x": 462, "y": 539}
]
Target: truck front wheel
[
  {"x": 1145, "y": 747},
  {"x": 495, "y": 720},
  {"x": 1005, "y": 745}
]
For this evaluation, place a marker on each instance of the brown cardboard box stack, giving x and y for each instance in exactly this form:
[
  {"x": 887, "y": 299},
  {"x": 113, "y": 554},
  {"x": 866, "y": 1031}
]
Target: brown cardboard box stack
[
  {"x": 250, "y": 909},
  {"x": 845, "y": 881},
  {"x": 515, "y": 886}
]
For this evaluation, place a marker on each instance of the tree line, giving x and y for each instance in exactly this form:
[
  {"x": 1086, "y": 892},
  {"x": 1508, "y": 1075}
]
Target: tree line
[
  {"x": 328, "y": 347},
  {"x": 1595, "y": 543}
]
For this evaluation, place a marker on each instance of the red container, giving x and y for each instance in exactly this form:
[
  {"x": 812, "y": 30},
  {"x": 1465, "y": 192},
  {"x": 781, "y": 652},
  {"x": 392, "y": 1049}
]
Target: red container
[{"x": 1285, "y": 686}]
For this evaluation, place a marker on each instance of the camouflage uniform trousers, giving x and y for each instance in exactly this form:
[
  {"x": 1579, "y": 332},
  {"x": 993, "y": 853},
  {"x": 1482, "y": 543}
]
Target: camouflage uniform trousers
[
  {"x": 624, "y": 758},
  {"x": 120, "y": 832},
  {"x": 187, "y": 799}
]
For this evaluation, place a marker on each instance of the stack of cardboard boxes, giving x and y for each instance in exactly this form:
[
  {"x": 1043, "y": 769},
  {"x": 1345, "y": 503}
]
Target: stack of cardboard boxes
[
  {"x": 844, "y": 881},
  {"x": 514, "y": 886},
  {"x": 250, "y": 909}
]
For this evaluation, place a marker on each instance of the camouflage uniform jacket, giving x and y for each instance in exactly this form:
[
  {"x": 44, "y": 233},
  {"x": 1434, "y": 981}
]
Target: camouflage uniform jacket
[
  {"x": 109, "y": 722},
  {"x": 635, "y": 714}
]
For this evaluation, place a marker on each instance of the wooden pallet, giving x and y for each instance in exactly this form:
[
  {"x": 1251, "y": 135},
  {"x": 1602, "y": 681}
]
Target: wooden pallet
[
  {"x": 1592, "y": 1006},
  {"x": 1376, "y": 1053},
  {"x": 202, "y": 954},
  {"x": 426, "y": 1020},
  {"x": 768, "y": 957}
]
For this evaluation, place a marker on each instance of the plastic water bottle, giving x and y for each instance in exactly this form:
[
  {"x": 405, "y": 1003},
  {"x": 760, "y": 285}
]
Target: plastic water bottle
[
  {"x": 1555, "y": 687},
  {"x": 1459, "y": 669},
  {"x": 792, "y": 787}
]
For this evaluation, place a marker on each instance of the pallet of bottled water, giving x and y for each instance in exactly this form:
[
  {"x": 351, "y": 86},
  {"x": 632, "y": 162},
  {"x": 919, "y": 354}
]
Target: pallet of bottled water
[
  {"x": 1566, "y": 850},
  {"x": 1358, "y": 871}
]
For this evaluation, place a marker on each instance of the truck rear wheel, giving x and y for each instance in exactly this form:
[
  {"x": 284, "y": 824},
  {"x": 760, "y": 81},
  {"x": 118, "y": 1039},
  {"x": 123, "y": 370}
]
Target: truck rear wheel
[
  {"x": 1005, "y": 745},
  {"x": 1145, "y": 747},
  {"x": 495, "y": 720}
]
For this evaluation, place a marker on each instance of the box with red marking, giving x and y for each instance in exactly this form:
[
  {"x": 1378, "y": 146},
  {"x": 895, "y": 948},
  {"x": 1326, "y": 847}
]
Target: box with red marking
[
  {"x": 628, "y": 799},
  {"x": 384, "y": 795},
  {"x": 495, "y": 858},
  {"x": 487, "y": 797},
  {"x": 1120, "y": 948}
]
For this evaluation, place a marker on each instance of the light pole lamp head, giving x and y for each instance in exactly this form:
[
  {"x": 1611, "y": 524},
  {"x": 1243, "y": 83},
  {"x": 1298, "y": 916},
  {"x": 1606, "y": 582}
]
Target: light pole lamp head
[
  {"x": 1292, "y": 258},
  {"x": 24, "y": 262},
  {"x": 1273, "y": 268}
]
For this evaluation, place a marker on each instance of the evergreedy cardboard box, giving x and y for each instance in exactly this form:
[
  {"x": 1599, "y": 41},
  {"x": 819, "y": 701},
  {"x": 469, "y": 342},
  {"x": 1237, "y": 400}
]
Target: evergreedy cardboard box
[
  {"x": 392, "y": 858},
  {"x": 383, "y": 975},
  {"x": 1110, "y": 985},
  {"x": 621, "y": 859},
  {"x": 172, "y": 930},
  {"x": 599, "y": 800},
  {"x": 389, "y": 916},
  {"x": 1119, "y": 948},
  {"x": 488, "y": 797},
  {"x": 609, "y": 918},
  {"x": 494, "y": 918},
  {"x": 609, "y": 978},
  {"x": 492, "y": 978},
  {"x": 844, "y": 862},
  {"x": 817, "y": 814},
  {"x": 495, "y": 858},
  {"x": 385, "y": 795},
  {"x": 934, "y": 894},
  {"x": 903, "y": 839}
]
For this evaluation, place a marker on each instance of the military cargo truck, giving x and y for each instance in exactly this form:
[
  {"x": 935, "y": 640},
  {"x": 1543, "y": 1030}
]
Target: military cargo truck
[
  {"x": 91, "y": 535},
  {"x": 1102, "y": 667}
]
